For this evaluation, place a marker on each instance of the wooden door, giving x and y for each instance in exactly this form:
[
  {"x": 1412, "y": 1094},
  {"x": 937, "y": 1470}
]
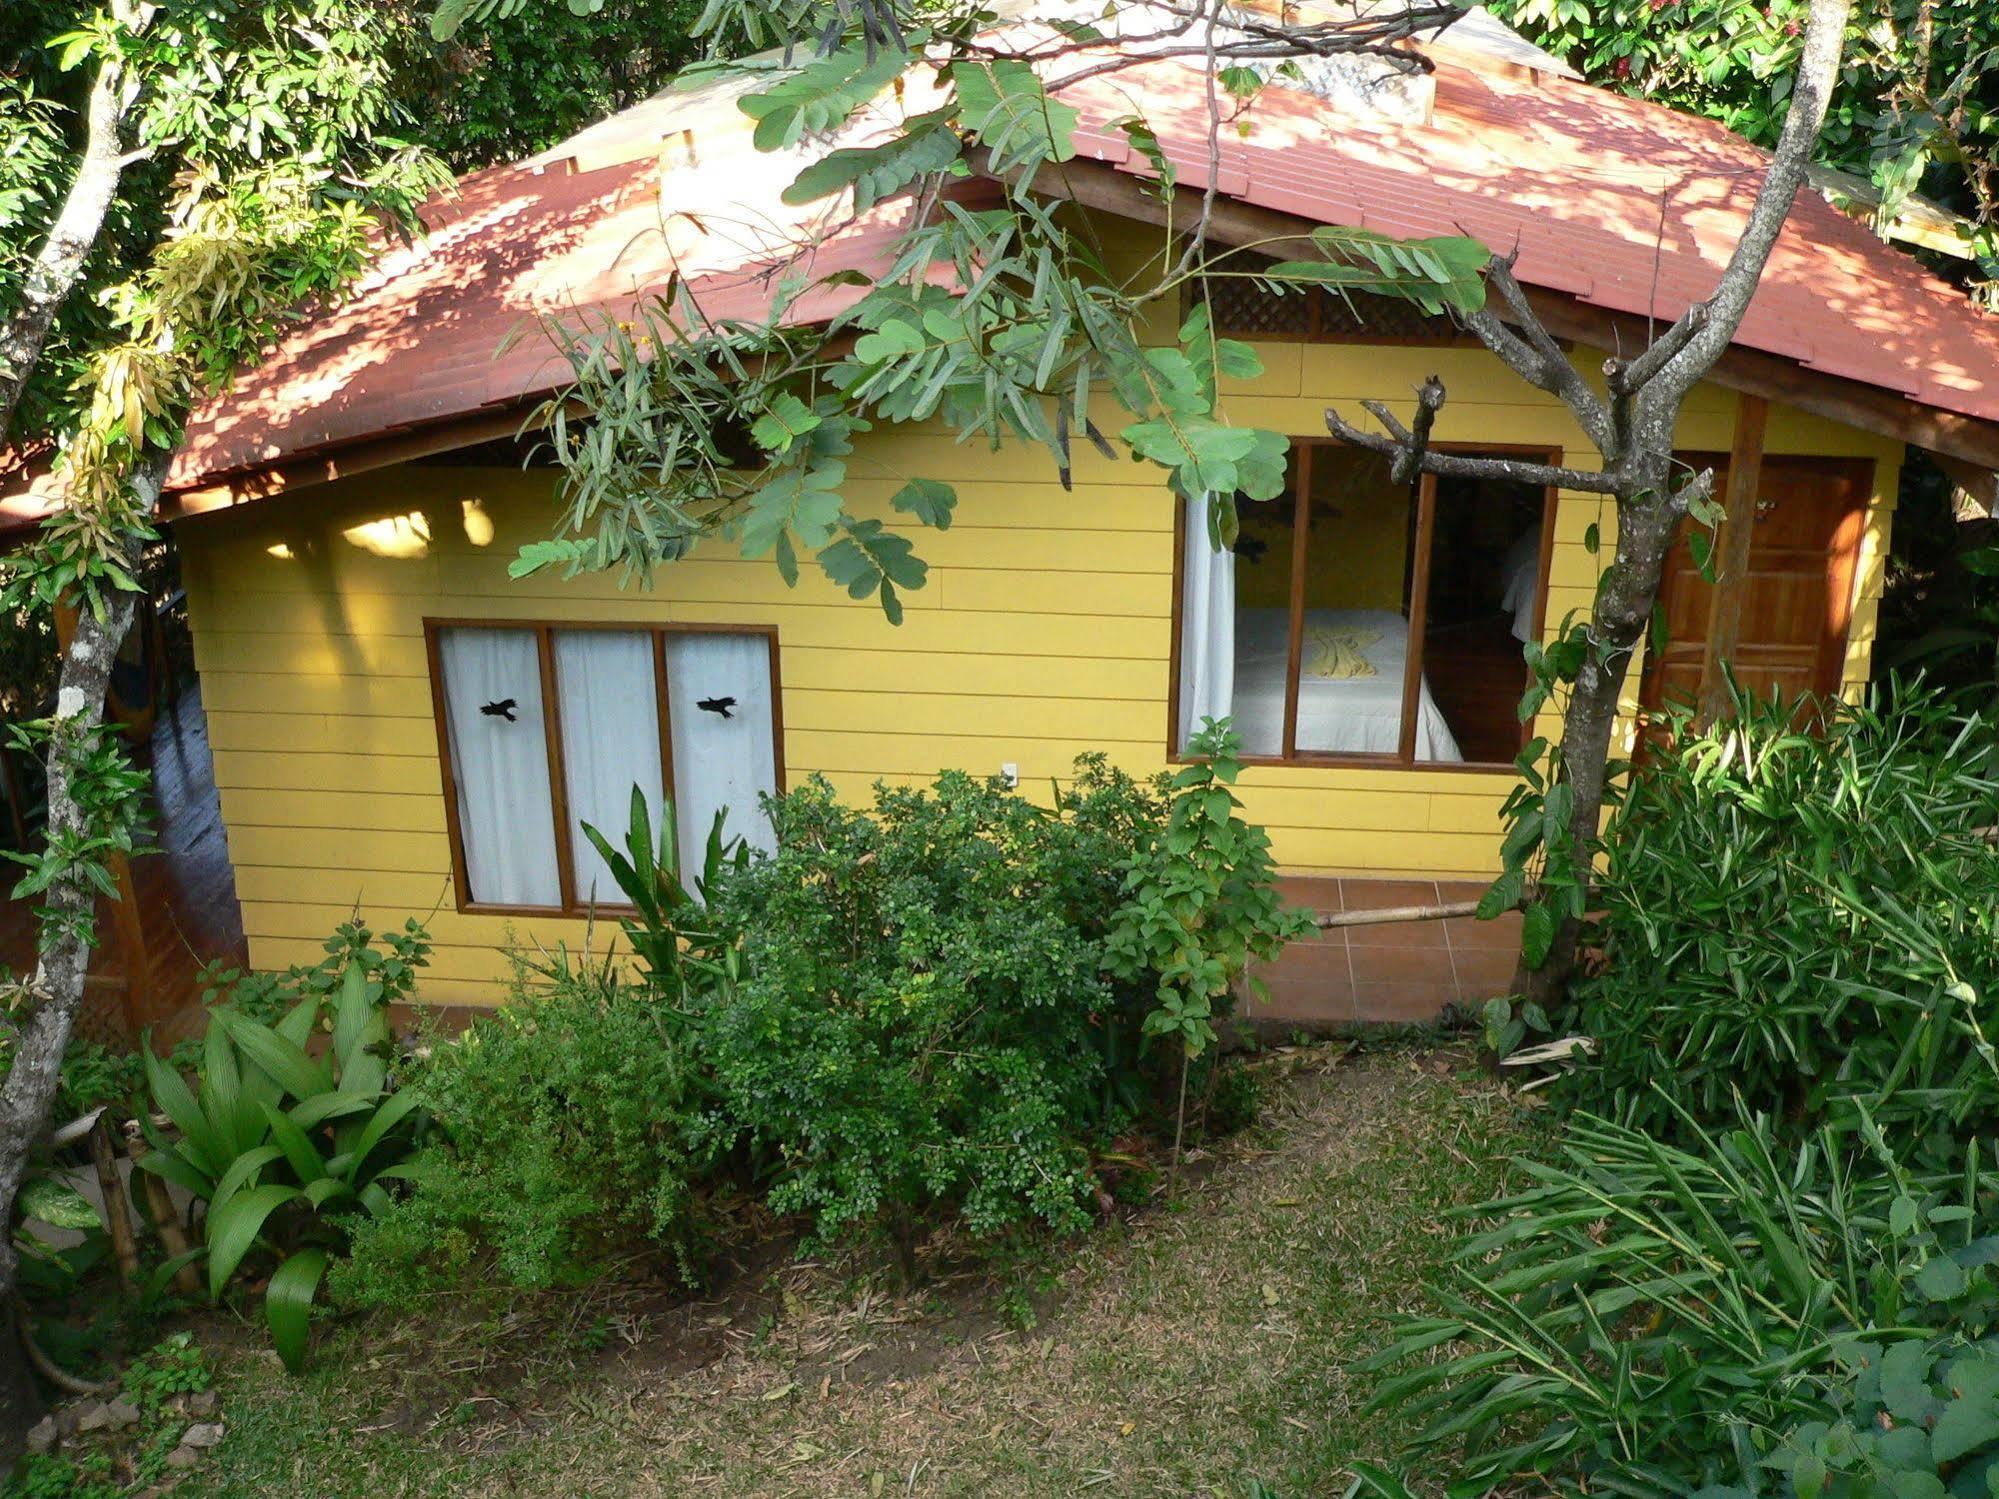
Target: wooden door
[{"x": 1798, "y": 603}]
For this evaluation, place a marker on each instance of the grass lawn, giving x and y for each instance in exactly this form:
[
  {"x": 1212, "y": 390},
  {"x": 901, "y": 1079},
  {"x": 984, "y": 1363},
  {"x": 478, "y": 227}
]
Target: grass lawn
[{"x": 1190, "y": 1351}]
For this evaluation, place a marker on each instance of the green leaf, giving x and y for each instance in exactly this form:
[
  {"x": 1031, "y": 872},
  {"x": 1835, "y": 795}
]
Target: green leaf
[
  {"x": 1941, "y": 1279},
  {"x": 306, "y": 1163},
  {"x": 566, "y": 551},
  {"x": 286, "y": 1062},
  {"x": 58, "y": 1204},
  {"x": 1537, "y": 933},
  {"x": 1502, "y": 895},
  {"x": 171, "y": 1095},
  {"x": 927, "y": 145},
  {"x": 392, "y": 1113},
  {"x": 156, "y": 1283},
  {"x": 233, "y": 1231},
  {"x": 288, "y": 1304},
  {"x": 820, "y": 96},
  {"x": 1905, "y": 1381},
  {"x": 805, "y": 501},
  {"x": 1005, "y": 108},
  {"x": 242, "y": 1172},
  {"x": 929, "y": 500},
  {"x": 786, "y": 419}
]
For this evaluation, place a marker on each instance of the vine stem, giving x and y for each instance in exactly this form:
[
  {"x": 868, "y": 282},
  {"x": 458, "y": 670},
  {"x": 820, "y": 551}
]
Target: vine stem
[{"x": 1180, "y": 1115}]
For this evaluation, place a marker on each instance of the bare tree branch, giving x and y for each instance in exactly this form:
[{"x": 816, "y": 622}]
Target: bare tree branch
[
  {"x": 1402, "y": 446},
  {"x": 1533, "y": 354},
  {"x": 1626, "y": 376},
  {"x": 1811, "y": 90},
  {"x": 58, "y": 265}
]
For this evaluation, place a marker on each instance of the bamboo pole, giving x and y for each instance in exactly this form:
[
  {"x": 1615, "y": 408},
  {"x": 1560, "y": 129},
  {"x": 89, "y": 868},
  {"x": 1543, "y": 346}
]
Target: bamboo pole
[
  {"x": 117, "y": 1209},
  {"x": 1398, "y": 913},
  {"x": 173, "y": 1239}
]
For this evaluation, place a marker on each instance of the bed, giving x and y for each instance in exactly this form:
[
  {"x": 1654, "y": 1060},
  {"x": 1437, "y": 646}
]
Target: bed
[{"x": 1351, "y": 715}]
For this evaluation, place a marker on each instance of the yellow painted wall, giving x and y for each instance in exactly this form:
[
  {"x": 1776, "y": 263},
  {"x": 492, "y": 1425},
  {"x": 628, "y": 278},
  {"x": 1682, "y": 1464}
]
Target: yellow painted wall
[{"x": 1043, "y": 632}]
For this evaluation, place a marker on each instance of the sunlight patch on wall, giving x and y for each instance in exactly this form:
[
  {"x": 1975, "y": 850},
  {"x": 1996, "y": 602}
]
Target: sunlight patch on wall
[
  {"x": 478, "y": 524},
  {"x": 400, "y": 538}
]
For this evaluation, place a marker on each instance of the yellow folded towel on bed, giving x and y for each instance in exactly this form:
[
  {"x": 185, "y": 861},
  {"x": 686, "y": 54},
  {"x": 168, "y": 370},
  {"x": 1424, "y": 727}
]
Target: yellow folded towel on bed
[{"x": 1336, "y": 655}]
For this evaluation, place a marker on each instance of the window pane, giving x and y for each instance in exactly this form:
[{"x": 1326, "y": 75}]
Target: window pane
[
  {"x": 718, "y": 699},
  {"x": 610, "y": 743},
  {"x": 1353, "y": 660},
  {"x": 1485, "y": 603},
  {"x": 499, "y": 760},
  {"x": 1262, "y": 615}
]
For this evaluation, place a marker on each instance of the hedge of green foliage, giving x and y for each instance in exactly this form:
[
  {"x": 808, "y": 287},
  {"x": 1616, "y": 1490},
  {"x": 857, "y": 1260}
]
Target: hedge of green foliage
[
  {"x": 569, "y": 1123},
  {"x": 1760, "y": 1261},
  {"x": 1804, "y": 920},
  {"x": 904, "y": 1018}
]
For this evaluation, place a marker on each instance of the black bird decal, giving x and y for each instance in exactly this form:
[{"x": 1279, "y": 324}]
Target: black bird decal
[
  {"x": 720, "y": 705},
  {"x": 504, "y": 708}
]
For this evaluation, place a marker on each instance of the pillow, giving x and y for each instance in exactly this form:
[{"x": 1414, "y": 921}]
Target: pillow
[{"x": 1335, "y": 655}]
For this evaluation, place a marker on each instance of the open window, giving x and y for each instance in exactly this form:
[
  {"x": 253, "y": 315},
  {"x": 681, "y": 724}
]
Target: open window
[
  {"x": 544, "y": 728},
  {"x": 1360, "y": 620}
]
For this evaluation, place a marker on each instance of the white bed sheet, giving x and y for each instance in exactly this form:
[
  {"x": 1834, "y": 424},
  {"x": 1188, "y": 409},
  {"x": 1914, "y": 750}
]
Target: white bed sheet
[{"x": 1353, "y": 715}]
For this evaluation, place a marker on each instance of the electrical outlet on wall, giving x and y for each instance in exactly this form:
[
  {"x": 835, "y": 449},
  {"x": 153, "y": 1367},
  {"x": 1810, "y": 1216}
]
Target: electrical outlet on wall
[{"x": 1010, "y": 773}]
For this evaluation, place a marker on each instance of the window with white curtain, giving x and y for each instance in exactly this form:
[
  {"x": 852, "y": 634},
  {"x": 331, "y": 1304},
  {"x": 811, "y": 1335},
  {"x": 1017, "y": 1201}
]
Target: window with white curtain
[{"x": 548, "y": 727}]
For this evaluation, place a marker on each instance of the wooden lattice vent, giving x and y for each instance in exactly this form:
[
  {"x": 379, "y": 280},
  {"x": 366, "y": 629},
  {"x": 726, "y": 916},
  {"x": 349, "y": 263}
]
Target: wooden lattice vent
[{"x": 1246, "y": 308}]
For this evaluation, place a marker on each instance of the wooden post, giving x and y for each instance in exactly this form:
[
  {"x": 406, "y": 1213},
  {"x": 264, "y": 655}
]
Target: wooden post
[{"x": 1738, "y": 533}]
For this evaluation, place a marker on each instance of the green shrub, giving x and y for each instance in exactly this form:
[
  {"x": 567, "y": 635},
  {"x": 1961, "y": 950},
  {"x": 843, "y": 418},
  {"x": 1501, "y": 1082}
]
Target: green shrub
[
  {"x": 1200, "y": 903},
  {"x": 1803, "y": 919},
  {"x": 287, "y": 1148},
  {"x": 925, "y": 1022},
  {"x": 1646, "y": 1320},
  {"x": 566, "y": 1125}
]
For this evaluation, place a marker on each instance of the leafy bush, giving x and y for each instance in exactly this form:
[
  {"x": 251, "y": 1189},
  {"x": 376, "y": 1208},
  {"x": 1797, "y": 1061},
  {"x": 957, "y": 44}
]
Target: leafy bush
[
  {"x": 1805, "y": 919},
  {"x": 1200, "y": 903},
  {"x": 567, "y": 1122},
  {"x": 291, "y": 1176},
  {"x": 1647, "y": 1320},
  {"x": 924, "y": 1019}
]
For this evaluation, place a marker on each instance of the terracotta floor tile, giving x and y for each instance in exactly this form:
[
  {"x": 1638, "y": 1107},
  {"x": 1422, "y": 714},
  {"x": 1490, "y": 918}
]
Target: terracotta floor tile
[
  {"x": 1314, "y": 892},
  {"x": 1401, "y": 934},
  {"x": 1469, "y": 934},
  {"x": 1456, "y": 890},
  {"x": 1372, "y": 895}
]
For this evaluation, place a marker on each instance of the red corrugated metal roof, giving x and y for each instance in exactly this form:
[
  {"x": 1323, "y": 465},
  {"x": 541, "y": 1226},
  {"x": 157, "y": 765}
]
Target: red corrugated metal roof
[
  {"x": 1623, "y": 204},
  {"x": 1620, "y": 203}
]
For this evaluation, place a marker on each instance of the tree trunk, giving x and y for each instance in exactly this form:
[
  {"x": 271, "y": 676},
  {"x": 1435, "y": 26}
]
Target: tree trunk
[
  {"x": 58, "y": 265},
  {"x": 20, "y": 1397},
  {"x": 55, "y": 993},
  {"x": 1645, "y": 529}
]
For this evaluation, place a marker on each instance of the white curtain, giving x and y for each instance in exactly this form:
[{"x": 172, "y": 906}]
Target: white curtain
[
  {"x": 1207, "y": 625},
  {"x": 499, "y": 759},
  {"x": 723, "y": 753},
  {"x": 610, "y": 742}
]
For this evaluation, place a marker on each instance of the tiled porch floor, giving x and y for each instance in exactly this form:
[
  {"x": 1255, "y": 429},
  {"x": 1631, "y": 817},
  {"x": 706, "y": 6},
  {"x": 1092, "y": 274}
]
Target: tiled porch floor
[{"x": 1397, "y": 971}]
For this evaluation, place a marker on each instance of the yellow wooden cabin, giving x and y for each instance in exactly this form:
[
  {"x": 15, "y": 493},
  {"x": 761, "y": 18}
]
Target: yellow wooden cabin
[{"x": 397, "y": 725}]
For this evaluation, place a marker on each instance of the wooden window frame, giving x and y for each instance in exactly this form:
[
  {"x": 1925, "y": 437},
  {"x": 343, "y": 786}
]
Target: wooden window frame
[
  {"x": 544, "y": 631},
  {"x": 1404, "y": 757}
]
